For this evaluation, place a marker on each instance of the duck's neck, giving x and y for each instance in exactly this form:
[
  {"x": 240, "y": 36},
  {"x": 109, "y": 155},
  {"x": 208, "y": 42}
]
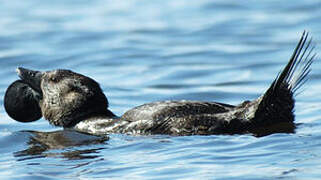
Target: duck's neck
[
  {"x": 74, "y": 118},
  {"x": 109, "y": 114},
  {"x": 100, "y": 124}
]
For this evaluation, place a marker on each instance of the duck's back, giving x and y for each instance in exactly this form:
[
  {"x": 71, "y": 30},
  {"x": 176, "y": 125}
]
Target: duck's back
[{"x": 176, "y": 118}]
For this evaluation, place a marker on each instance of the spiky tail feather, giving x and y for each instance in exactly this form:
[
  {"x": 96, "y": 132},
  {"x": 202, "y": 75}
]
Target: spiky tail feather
[{"x": 277, "y": 103}]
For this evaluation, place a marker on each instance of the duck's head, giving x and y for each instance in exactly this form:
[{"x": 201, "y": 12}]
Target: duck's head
[{"x": 66, "y": 97}]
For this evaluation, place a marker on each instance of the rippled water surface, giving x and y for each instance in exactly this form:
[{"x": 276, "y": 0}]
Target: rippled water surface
[{"x": 143, "y": 51}]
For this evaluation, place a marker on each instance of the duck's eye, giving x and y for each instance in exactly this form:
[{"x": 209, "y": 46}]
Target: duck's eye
[
  {"x": 53, "y": 79},
  {"x": 32, "y": 74}
]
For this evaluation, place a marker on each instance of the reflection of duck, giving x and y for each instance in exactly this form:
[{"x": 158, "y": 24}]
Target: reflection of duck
[
  {"x": 75, "y": 101},
  {"x": 40, "y": 142}
]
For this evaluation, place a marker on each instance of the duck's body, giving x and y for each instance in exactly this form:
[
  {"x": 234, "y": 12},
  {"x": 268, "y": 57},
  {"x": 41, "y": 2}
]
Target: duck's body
[
  {"x": 75, "y": 101},
  {"x": 164, "y": 117}
]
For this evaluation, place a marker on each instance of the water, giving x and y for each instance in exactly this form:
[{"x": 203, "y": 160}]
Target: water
[{"x": 143, "y": 51}]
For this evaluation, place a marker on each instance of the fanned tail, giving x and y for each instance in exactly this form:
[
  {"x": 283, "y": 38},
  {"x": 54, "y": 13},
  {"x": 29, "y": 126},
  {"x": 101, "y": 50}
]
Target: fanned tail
[
  {"x": 295, "y": 73},
  {"x": 277, "y": 103}
]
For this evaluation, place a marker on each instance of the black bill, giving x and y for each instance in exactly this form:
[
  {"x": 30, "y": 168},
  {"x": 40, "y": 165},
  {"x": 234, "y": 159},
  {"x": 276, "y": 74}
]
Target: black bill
[{"x": 30, "y": 77}]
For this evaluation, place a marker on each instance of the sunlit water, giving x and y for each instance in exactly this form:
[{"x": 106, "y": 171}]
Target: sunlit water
[{"x": 143, "y": 51}]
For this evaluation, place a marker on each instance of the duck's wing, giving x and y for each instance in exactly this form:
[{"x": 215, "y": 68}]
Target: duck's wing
[
  {"x": 163, "y": 109},
  {"x": 171, "y": 117}
]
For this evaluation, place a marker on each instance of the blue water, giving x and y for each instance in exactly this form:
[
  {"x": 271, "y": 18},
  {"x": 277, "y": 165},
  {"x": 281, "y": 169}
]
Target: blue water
[{"x": 142, "y": 51}]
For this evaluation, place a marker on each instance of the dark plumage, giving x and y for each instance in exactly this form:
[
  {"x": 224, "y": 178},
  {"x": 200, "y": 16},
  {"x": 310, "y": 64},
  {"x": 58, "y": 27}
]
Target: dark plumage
[{"x": 75, "y": 101}]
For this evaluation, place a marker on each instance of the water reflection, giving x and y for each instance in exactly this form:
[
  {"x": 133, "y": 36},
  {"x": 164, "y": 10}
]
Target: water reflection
[{"x": 54, "y": 144}]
